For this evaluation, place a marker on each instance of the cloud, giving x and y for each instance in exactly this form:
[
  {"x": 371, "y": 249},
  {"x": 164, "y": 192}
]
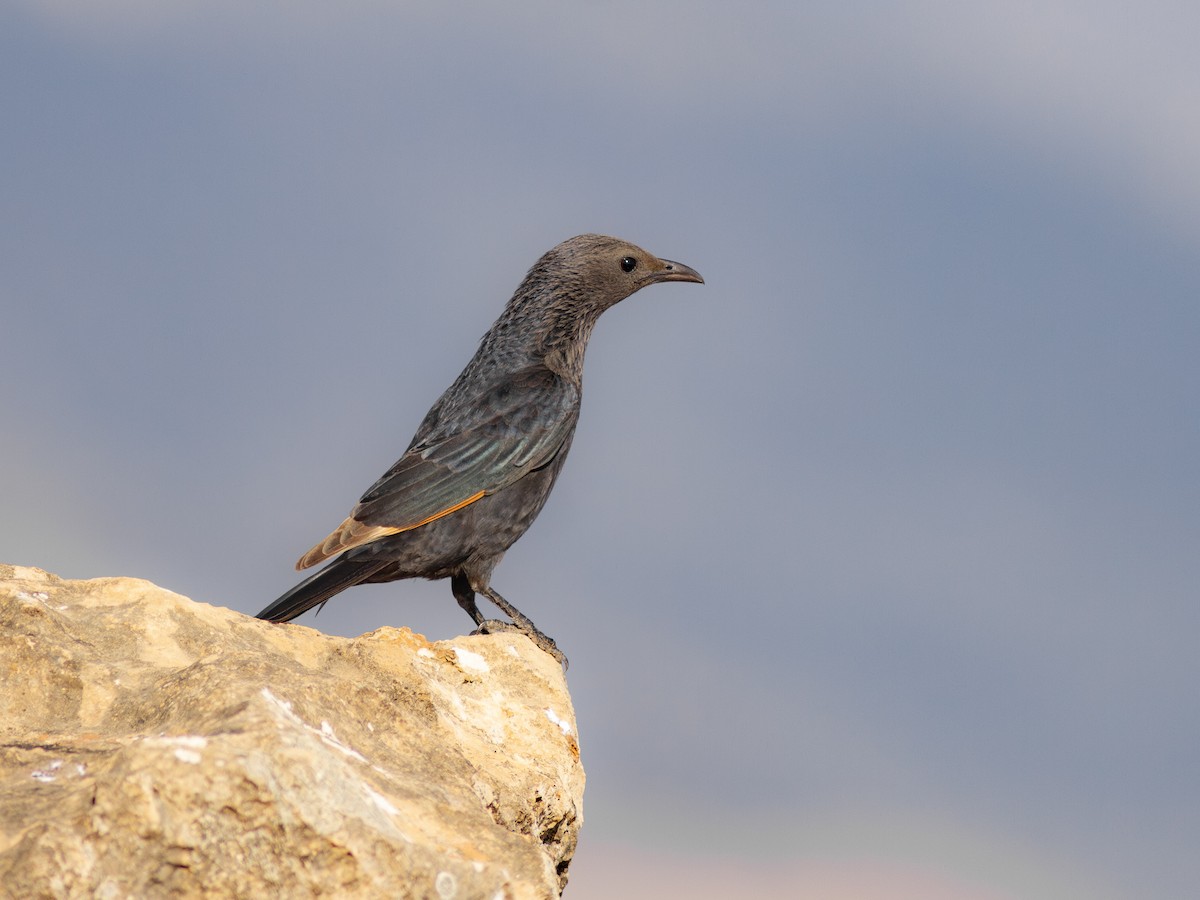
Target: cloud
[{"x": 1100, "y": 88}]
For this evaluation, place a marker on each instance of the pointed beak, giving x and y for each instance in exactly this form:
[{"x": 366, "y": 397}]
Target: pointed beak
[{"x": 674, "y": 271}]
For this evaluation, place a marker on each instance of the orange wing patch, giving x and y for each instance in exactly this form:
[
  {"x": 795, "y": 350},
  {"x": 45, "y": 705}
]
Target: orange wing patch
[{"x": 353, "y": 533}]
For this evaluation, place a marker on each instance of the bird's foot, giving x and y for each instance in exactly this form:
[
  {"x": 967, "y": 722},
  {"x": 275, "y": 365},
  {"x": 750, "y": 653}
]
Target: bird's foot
[{"x": 527, "y": 628}]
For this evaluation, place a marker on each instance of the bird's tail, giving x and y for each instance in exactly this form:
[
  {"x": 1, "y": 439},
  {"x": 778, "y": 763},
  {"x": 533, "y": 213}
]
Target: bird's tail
[{"x": 319, "y": 587}]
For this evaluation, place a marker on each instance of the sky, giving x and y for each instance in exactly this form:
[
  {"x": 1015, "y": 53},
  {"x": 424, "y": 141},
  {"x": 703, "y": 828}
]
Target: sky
[{"x": 875, "y": 557}]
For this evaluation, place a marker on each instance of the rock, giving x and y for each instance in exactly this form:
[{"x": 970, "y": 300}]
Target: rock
[{"x": 154, "y": 746}]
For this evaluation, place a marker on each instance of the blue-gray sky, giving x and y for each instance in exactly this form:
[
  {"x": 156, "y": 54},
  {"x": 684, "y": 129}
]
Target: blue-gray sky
[{"x": 876, "y": 557}]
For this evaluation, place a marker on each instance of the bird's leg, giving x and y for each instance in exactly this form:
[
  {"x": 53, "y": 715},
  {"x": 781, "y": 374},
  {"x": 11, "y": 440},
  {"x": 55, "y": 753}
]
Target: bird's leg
[
  {"x": 520, "y": 622},
  {"x": 465, "y": 595},
  {"x": 519, "y": 618}
]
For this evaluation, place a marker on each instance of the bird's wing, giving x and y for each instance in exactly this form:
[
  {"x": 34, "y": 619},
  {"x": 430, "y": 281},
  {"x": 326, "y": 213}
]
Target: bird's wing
[{"x": 517, "y": 425}]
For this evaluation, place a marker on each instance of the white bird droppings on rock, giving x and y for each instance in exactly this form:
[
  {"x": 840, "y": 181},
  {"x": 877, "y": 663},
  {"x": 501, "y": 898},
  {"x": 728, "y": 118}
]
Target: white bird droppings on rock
[{"x": 468, "y": 659}]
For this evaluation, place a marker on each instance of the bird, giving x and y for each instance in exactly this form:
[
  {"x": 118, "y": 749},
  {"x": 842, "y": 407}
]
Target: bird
[{"x": 487, "y": 454}]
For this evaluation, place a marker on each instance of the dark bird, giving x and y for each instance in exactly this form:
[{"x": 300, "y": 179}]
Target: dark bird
[{"x": 483, "y": 461}]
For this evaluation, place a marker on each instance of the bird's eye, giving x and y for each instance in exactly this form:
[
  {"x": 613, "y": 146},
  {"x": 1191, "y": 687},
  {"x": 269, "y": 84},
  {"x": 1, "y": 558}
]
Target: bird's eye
[{"x": 628, "y": 264}]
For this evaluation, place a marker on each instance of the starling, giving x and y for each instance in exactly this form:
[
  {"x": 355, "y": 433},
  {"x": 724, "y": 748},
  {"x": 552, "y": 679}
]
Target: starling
[{"x": 484, "y": 459}]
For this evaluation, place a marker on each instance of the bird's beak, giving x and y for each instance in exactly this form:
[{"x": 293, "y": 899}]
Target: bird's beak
[{"x": 673, "y": 271}]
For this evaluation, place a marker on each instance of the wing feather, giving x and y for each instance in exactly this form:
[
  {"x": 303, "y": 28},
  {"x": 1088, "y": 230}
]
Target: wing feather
[{"x": 518, "y": 424}]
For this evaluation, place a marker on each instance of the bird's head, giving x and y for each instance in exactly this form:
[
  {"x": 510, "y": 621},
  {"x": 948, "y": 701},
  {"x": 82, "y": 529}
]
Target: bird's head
[
  {"x": 607, "y": 269},
  {"x": 553, "y": 311}
]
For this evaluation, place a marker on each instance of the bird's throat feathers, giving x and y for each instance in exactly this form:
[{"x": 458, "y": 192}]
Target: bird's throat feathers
[{"x": 549, "y": 322}]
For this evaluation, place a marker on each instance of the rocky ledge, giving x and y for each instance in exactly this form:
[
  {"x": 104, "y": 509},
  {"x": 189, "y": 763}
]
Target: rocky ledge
[{"x": 152, "y": 746}]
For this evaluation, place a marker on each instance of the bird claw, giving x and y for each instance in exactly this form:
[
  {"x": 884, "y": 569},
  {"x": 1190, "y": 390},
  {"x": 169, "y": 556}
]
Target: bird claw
[{"x": 543, "y": 641}]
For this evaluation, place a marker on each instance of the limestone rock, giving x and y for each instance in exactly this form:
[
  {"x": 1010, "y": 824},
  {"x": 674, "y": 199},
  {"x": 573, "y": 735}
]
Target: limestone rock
[{"x": 154, "y": 746}]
